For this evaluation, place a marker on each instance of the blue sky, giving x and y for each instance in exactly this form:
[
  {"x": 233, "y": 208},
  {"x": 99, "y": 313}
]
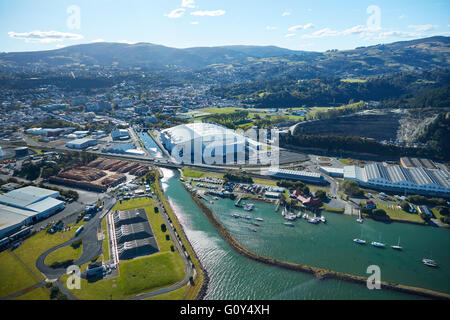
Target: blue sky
[{"x": 28, "y": 25}]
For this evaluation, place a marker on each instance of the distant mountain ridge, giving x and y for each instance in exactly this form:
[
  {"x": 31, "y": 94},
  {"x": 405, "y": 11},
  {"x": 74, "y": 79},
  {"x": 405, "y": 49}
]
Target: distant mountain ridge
[{"x": 412, "y": 55}]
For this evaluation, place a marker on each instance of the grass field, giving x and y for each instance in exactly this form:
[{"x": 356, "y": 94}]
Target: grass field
[
  {"x": 63, "y": 254},
  {"x": 105, "y": 243},
  {"x": 398, "y": 214},
  {"x": 173, "y": 295},
  {"x": 143, "y": 274},
  {"x": 192, "y": 173},
  {"x": 36, "y": 245},
  {"x": 14, "y": 276},
  {"x": 36, "y": 294}
]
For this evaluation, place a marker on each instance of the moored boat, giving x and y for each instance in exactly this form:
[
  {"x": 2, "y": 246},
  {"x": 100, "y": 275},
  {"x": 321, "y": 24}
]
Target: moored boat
[
  {"x": 359, "y": 241},
  {"x": 378, "y": 244},
  {"x": 429, "y": 262},
  {"x": 289, "y": 224}
]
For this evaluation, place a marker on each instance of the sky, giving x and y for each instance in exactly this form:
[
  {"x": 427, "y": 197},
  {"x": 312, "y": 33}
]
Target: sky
[{"x": 312, "y": 25}]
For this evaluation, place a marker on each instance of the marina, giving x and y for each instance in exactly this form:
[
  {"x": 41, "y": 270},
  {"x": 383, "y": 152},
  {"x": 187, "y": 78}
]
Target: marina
[{"x": 302, "y": 245}]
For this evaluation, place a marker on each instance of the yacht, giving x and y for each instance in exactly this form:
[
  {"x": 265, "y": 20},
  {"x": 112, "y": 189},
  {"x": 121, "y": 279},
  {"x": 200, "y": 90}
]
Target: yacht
[
  {"x": 429, "y": 262},
  {"x": 259, "y": 219},
  {"x": 289, "y": 224},
  {"x": 249, "y": 207},
  {"x": 359, "y": 241},
  {"x": 236, "y": 216},
  {"x": 378, "y": 244},
  {"x": 313, "y": 220},
  {"x": 322, "y": 219},
  {"x": 247, "y": 217},
  {"x": 397, "y": 247},
  {"x": 360, "y": 220}
]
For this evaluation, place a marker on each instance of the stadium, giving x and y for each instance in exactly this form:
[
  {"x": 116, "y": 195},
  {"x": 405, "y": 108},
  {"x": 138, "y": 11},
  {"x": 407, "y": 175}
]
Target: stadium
[{"x": 214, "y": 144}]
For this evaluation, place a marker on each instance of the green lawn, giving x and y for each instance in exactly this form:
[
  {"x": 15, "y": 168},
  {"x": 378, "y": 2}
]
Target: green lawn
[
  {"x": 105, "y": 240},
  {"x": 36, "y": 294},
  {"x": 398, "y": 214},
  {"x": 173, "y": 295},
  {"x": 14, "y": 276},
  {"x": 36, "y": 245},
  {"x": 192, "y": 173},
  {"x": 143, "y": 274},
  {"x": 63, "y": 254}
]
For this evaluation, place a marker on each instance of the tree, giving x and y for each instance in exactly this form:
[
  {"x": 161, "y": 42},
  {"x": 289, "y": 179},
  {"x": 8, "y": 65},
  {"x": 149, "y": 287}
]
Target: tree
[
  {"x": 405, "y": 206},
  {"x": 322, "y": 195},
  {"x": 352, "y": 188}
]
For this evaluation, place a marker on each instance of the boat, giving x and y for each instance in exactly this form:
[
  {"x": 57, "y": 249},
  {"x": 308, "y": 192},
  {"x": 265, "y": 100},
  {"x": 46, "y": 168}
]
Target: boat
[
  {"x": 313, "y": 220},
  {"x": 360, "y": 220},
  {"x": 249, "y": 207},
  {"x": 259, "y": 219},
  {"x": 216, "y": 198},
  {"x": 291, "y": 218},
  {"x": 289, "y": 224},
  {"x": 378, "y": 244},
  {"x": 429, "y": 262},
  {"x": 255, "y": 224},
  {"x": 359, "y": 241},
  {"x": 253, "y": 229},
  {"x": 247, "y": 217},
  {"x": 236, "y": 216},
  {"x": 397, "y": 247},
  {"x": 322, "y": 219}
]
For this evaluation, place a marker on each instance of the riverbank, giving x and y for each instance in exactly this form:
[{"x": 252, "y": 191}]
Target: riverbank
[
  {"x": 200, "y": 280},
  {"x": 319, "y": 273}
]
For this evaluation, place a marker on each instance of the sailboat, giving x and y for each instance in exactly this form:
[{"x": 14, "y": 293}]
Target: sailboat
[
  {"x": 397, "y": 247},
  {"x": 359, "y": 241}
]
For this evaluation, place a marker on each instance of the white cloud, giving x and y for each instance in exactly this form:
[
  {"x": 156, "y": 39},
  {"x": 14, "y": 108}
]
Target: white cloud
[
  {"x": 126, "y": 42},
  {"x": 98, "y": 40},
  {"x": 402, "y": 16},
  {"x": 194, "y": 22},
  {"x": 45, "y": 36},
  {"x": 326, "y": 32},
  {"x": 271, "y": 28},
  {"x": 300, "y": 27},
  {"x": 214, "y": 13},
  {"x": 286, "y": 13},
  {"x": 294, "y": 28},
  {"x": 423, "y": 27},
  {"x": 289, "y": 35},
  {"x": 177, "y": 13},
  {"x": 188, "y": 3}
]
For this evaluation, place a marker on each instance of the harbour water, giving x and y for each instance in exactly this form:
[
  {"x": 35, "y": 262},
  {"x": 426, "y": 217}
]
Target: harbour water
[{"x": 233, "y": 276}]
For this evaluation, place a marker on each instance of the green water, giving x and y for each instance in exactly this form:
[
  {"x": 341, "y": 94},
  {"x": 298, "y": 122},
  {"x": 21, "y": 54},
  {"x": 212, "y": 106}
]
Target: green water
[{"x": 233, "y": 276}]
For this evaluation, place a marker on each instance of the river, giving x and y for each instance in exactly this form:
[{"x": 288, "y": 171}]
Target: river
[{"x": 233, "y": 276}]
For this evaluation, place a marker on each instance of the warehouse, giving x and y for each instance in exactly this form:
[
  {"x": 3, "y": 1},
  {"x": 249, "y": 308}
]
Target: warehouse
[
  {"x": 133, "y": 234},
  {"x": 120, "y": 134},
  {"x": 304, "y": 176},
  {"x": 26, "y": 206},
  {"x": 399, "y": 179},
  {"x": 333, "y": 172},
  {"x": 81, "y": 144},
  {"x": 213, "y": 144}
]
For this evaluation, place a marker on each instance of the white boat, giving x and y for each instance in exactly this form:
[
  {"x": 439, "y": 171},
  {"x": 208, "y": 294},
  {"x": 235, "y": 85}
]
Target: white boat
[
  {"x": 313, "y": 220},
  {"x": 249, "y": 207},
  {"x": 236, "y": 216},
  {"x": 397, "y": 247},
  {"x": 360, "y": 220},
  {"x": 359, "y": 241},
  {"x": 247, "y": 217},
  {"x": 378, "y": 244},
  {"x": 216, "y": 198},
  {"x": 322, "y": 218},
  {"x": 259, "y": 219},
  {"x": 289, "y": 224},
  {"x": 429, "y": 262}
]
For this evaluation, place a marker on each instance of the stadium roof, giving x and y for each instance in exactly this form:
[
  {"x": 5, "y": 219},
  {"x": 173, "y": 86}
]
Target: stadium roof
[{"x": 27, "y": 196}]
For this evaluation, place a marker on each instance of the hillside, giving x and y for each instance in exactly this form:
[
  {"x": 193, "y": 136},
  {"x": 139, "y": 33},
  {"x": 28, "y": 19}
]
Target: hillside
[{"x": 243, "y": 61}]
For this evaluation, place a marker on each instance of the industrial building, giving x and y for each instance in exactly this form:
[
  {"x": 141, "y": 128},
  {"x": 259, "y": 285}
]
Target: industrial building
[
  {"x": 120, "y": 134},
  {"x": 81, "y": 144},
  {"x": 332, "y": 171},
  {"x": 304, "y": 176},
  {"x": 133, "y": 234},
  {"x": 26, "y": 206},
  {"x": 399, "y": 179},
  {"x": 209, "y": 140}
]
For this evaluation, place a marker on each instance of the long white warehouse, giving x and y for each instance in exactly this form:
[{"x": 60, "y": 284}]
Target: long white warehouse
[{"x": 399, "y": 179}]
